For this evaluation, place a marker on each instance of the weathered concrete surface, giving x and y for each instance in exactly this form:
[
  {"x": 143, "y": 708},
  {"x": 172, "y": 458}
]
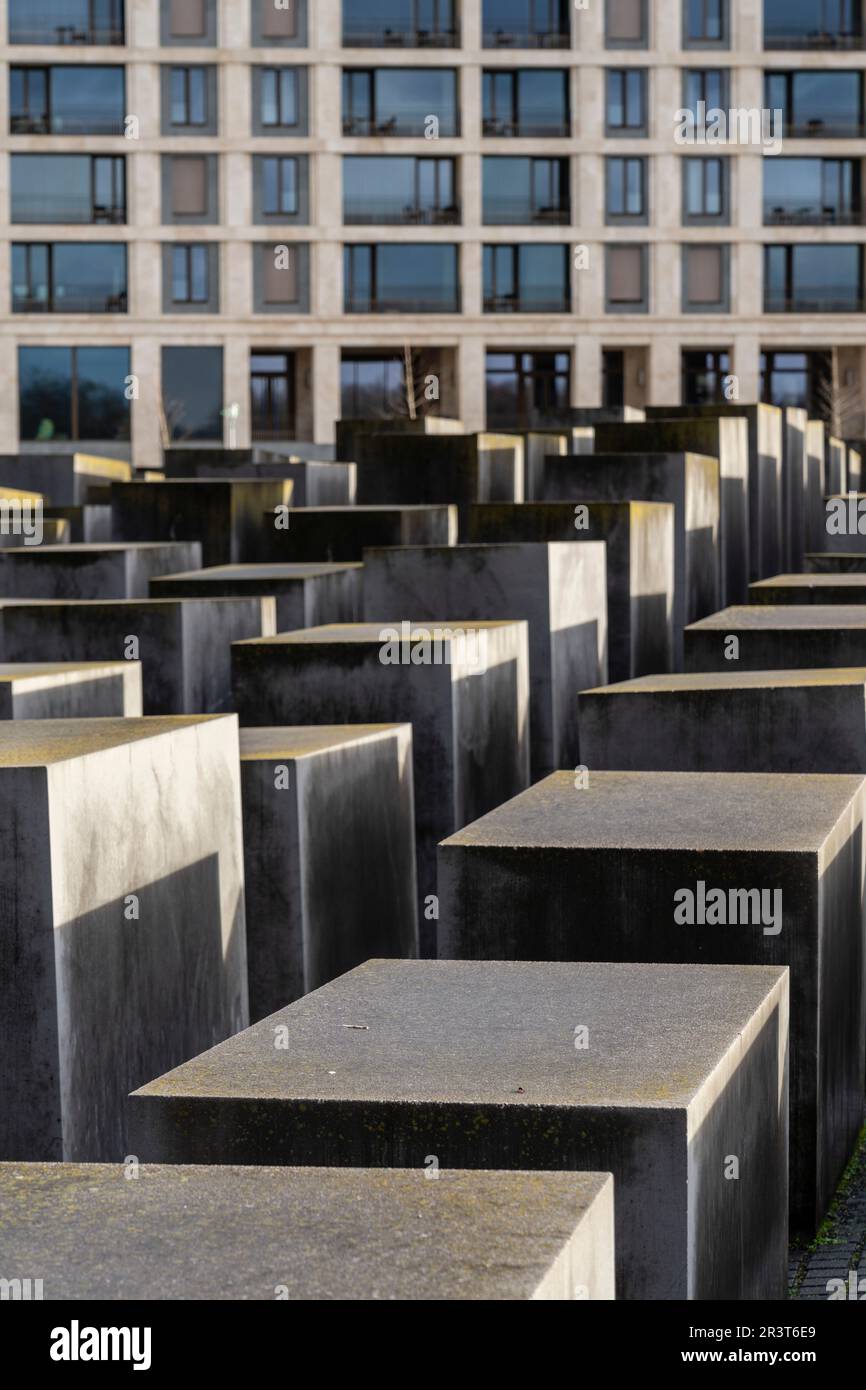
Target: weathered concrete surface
[
  {"x": 70, "y": 690},
  {"x": 184, "y": 644},
  {"x": 729, "y": 721},
  {"x": 351, "y": 432},
  {"x": 810, "y": 588},
  {"x": 329, "y": 854},
  {"x": 105, "y": 571},
  {"x": 87, "y": 524},
  {"x": 226, "y": 516},
  {"x": 122, "y": 941},
  {"x": 836, "y": 464},
  {"x": 766, "y": 455},
  {"x": 725, "y": 439},
  {"x": 467, "y": 702},
  {"x": 559, "y": 589},
  {"x": 640, "y": 566},
  {"x": 816, "y": 484},
  {"x": 63, "y": 478},
  {"x": 316, "y": 484},
  {"x": 597, "y": 873},
  {"x": 336, "y": 534},
  {"x": 787, "y": 637},
  {"x": 430, "y": 469},
  {"x": 856, "y": 452},
  {"x": 689, "y": 481},
  {"x": 476, "y": 1064},
  {"x": 306, "y": 595},
  {"x": 842, "y": 525},
  {"x": 795, "y": 474},
  {"x": 229, "y": 1233},
  {"x": 827, "y": 562},
  {"x": 54, "y": 532}
]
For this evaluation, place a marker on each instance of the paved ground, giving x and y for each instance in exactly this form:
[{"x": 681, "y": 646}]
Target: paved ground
[{"x": 840, "y": 1245}]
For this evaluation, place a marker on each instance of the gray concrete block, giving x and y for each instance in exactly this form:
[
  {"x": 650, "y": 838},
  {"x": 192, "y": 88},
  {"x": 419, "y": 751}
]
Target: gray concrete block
[
  {"x": 70, "y": 690},
  {"x": 826, "y": 562},
  {"x": 689, "y": 481},
  {"x": 785, "y": 637},
  {"x": 466, "y": 699},
  {"x": 603, "y": 872},
  {"x": 640, "y": 566},
  {"x": 729, "y": 721},
  {"x": 836, "y": 464},
  {"x": 766, "y": 455},
  {"x": 184, "y": 645},
  {"x": 816, "y": 485},
  {"x": 55, "y": 531},
  {"x": 226, "y": 516},
  {"x": 842, "y": 528},
  {"x": 122, "y": 940},
  {"x": 229, "y": 1233},
  {"x": 351, "y": 432},
  {"x": 105, "y": 571},
  {"x": 306, "y": 595},
  {"x": 337, "y": 534},
  {"x": 329, "y": 854},
  {"x": 476, "y": 1065},
  {"x": 856, "y": 452},
  {"x": 559, "y": 589},
  {"x": 316, "y": 483},
  {"x": 430, "y": 469},
  {"x": 87, "y": 524},
  {"x": 63, "y": 478},
  {"x": 810, "y": 588},
  {"x": 795, "y": 474},
  {"x": 724, "y": 438}
]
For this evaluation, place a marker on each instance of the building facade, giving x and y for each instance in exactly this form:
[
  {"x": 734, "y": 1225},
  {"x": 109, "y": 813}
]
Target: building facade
[{"x": 240, "y": 219}]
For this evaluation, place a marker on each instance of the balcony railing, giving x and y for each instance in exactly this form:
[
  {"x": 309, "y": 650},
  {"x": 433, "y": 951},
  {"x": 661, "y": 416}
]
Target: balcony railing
[
  {"x": 812, "y": 215},
  {"x": 815, "y": 302},
  {"x": 372, "y": 215},
  {"x": 382, "y": 35},
  {"x": 528, "y": 130},
  {"x": 50, "y": 32},
  {"x": 84, "y": 125},
  {"x": 526, "y": 38},
  {"x": 71, "y": 303},
  {"x": 819, "y": 129},
  {"x": 817, "y": 39},
  {"x": 48, "y": 210},
  {"x": 553, "y": 301},
  {"x": 519, "y": 212},
  {"x": 412, "y": 126},
  {"x": 422, "y": 300}
]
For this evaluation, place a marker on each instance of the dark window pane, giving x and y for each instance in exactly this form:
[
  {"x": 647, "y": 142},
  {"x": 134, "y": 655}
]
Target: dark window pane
[
  {"x": 103, "y": 410},
  {"x": 192, "y": 385},
  {"x": 45, "y": 392}
]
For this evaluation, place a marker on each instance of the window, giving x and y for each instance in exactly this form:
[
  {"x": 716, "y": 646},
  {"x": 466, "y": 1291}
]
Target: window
[
  {"x": 612, "y": 378},
  {"x": 189, "y": 275},
  {"x": 70, "y": 21},
  {"x": 527, "y": 279},
  {"x": 626, "y": 189},
  {"x": 279, "y": 187},
  {"x": 272, "y": 394},
  {"x": 281, "y": 278},
  {"x": 67, "y": 100},
  {"x": 192, "y": 391},
  {"x": 803, "y": 379},
  {"x": 626, "y": 101},
  {"x": 278, "y": 22},
  {"x": 72, "y": 393},
  {"x": 189, "y": 103},
  {"x": 68, "y": 188},
  {"x": 705, "y": 183},
  {"x": 411, "y": 277},
  {"x": 68, "y": 278},
  {"x": 813, "y": 279},
  {"x": 532, "y": 102},
  {"x": 527, "y": 389},
  {"x": 399, "y": 24},
  {"x": 815, "y": 102},
  {"x": 372, "y": 386},
  {"x": 626, "y": 279},
  {"x": 705, "y": 279},
  {"x": 281, "y": 275},
  {"x": 187, "y": 19},
  {"x": 524, "y": 190},
  {"x": 189, "y": 186},
  {"x": 705, "y": 90},
  {"x": 704, "y": 376},
  {"x": 626, "y": 24},
  {"x": 705, "y": 23},
  {"x": 400, "y": 101},
  {"x": 279, "y": 97},
  {"x": 526, "y": 23},
  {"x": 393, "y": 189},
  {"x": 813, "y": 24},
  {"x": 812, "y": 192}
]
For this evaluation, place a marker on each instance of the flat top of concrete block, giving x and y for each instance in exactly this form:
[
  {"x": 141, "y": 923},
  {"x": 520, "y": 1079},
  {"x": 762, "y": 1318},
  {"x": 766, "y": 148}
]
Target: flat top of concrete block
[
  {"x": 17, "y": 494},
  {"x": 734, "y": 680},
  {"x": 703, "y": 811},
  {"x": 257, "y": 572},
  {"x": 786, "y": 615},
  {"x": 224, "y": 1232},
  {"x": 519, "y": 508},
  {"x": 114, "y": 603},
  {"x": 473, "y": 548},
  {"x": 334, "y": 633},
  {"x": 95, "y": 548},
  {"x": 39, "y": 742},
  {"x": 304, "y": 740},
  {"x": 22, "y": 670},
  {"x": 490, "y": 1032},
  {"x": 372, "y": 507},
  {"x": 636, "y": 457},
  {"x": 805, "y": 581}
]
